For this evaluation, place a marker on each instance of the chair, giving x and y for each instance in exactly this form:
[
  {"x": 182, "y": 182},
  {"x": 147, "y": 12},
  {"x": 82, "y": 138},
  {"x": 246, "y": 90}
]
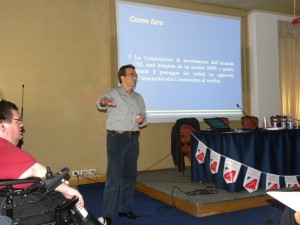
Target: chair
[
  {"x": 249, "y": 122},
  {"x": 175, "y": 139},
  {"x": 224, "y": 119},
  {"x": 185, "y": 140},
  {"x": 23, "y": 205}
]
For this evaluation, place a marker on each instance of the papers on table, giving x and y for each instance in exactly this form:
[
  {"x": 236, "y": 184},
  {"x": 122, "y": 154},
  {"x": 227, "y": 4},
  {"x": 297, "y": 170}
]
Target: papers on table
[{"x": 290, "y": 199}]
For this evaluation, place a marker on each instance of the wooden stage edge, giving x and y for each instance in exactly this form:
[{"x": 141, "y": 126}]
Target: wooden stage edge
[
  {"x": 197, "y": 210},
  {"x": 206, "y": 209}
]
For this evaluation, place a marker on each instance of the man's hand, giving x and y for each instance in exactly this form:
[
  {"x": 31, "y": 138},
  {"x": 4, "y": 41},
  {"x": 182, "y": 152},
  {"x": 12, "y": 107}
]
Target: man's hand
[
  {"x": 140, "y": 119},
  {"x": 107, "y": 102},
  {"x": 70, "y": 192}
]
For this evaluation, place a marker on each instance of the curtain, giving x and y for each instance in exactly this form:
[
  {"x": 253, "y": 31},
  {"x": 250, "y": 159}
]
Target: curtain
[{"x": 289, "y": 61}]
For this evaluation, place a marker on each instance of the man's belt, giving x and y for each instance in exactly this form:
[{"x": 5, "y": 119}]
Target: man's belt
[{"x": 127, "y": 133}]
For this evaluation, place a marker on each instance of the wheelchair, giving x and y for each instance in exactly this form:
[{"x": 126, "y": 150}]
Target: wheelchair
[{"x": 39, "y": 204}]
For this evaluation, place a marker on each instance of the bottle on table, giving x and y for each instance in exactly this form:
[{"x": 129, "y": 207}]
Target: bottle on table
[
  {"x": 274, "y": 121},
  {"x": 290, "y": 122},
  {"x": 283, "y": 122}
]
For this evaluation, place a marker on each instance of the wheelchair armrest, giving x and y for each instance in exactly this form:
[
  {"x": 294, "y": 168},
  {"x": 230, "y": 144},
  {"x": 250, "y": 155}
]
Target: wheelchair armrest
[
  {"x": 10, "y": 182},
  {"x": 7, "y": 186}
]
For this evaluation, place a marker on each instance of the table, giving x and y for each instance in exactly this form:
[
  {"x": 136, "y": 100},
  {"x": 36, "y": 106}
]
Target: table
[{"x": 269, "y": 151}]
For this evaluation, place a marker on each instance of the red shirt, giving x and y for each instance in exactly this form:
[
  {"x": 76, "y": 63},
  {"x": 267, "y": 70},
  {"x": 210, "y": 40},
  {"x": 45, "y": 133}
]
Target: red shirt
[{"x": 13, "y": 160}]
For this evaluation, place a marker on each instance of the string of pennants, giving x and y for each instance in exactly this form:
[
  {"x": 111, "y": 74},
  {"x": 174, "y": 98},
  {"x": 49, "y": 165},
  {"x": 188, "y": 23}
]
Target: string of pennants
[{"x": 232, "y": 168}]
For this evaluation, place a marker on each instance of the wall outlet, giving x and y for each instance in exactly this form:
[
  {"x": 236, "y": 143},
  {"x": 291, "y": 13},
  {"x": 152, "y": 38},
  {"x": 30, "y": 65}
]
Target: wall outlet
[
  {"x": 75, "y": 173},
  {"x": 83, "y": 172},
  {"x": 92, "y": 171}
]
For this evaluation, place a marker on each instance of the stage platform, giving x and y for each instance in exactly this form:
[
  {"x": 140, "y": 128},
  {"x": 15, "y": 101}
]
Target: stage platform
[{"x": 198, "y": 199}]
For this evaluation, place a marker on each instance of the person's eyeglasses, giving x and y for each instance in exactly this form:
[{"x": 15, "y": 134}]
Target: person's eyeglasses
[
  {"x": 19, "y": 120},
  {"x": 132, "y": 75}
]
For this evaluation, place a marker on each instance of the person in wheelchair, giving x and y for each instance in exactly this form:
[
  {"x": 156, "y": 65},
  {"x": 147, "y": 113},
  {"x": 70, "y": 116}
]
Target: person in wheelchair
[{"x": 16, "y": 163}]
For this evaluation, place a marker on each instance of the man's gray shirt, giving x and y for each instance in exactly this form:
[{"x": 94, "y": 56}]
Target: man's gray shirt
[{"x": 123, "y": 116}]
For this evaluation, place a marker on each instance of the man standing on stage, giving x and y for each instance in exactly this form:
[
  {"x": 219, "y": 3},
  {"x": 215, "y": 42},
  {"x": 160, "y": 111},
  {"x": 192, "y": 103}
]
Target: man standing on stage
[{"x": 126, "y": 114}]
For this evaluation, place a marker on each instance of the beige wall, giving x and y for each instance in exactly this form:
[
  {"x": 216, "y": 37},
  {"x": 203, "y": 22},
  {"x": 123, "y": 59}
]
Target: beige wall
[{"x": 63, "y": 51}]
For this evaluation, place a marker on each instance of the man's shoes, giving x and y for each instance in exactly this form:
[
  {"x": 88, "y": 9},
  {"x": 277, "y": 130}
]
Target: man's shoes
[
  {"x": 129, "y": 215},
  {"x": 105, "y": 220},
  {"x": 269, "y": 222}
]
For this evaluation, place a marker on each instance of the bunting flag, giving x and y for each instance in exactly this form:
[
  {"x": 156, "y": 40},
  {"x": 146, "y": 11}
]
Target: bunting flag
[
  {"x": 251, "y": 180},
  {"x": 231, "y": 170},
  {"x": 272, "y": 181},
  {"x": 291, "y": 181},
  {"x": 201, "y": 152},
  {"x": 214, "y": 161}
]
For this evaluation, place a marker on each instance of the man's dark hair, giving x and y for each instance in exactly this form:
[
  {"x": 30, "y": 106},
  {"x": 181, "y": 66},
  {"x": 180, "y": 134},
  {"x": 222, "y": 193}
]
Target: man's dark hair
[
  {"x": 122, "y": 71},
  {"x": 6, "y": 108}
]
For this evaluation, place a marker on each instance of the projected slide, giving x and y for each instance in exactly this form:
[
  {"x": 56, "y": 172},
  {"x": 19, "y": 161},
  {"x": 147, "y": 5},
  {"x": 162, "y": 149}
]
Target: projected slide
[{"x": 188, "y": 64}]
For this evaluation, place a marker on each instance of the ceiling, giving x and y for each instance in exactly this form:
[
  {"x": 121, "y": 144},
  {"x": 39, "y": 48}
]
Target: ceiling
[{"x": 276, "y": 6}]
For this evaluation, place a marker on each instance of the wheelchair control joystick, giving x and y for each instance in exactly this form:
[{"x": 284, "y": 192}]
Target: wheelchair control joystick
[{"x": 49, "y": 173}]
